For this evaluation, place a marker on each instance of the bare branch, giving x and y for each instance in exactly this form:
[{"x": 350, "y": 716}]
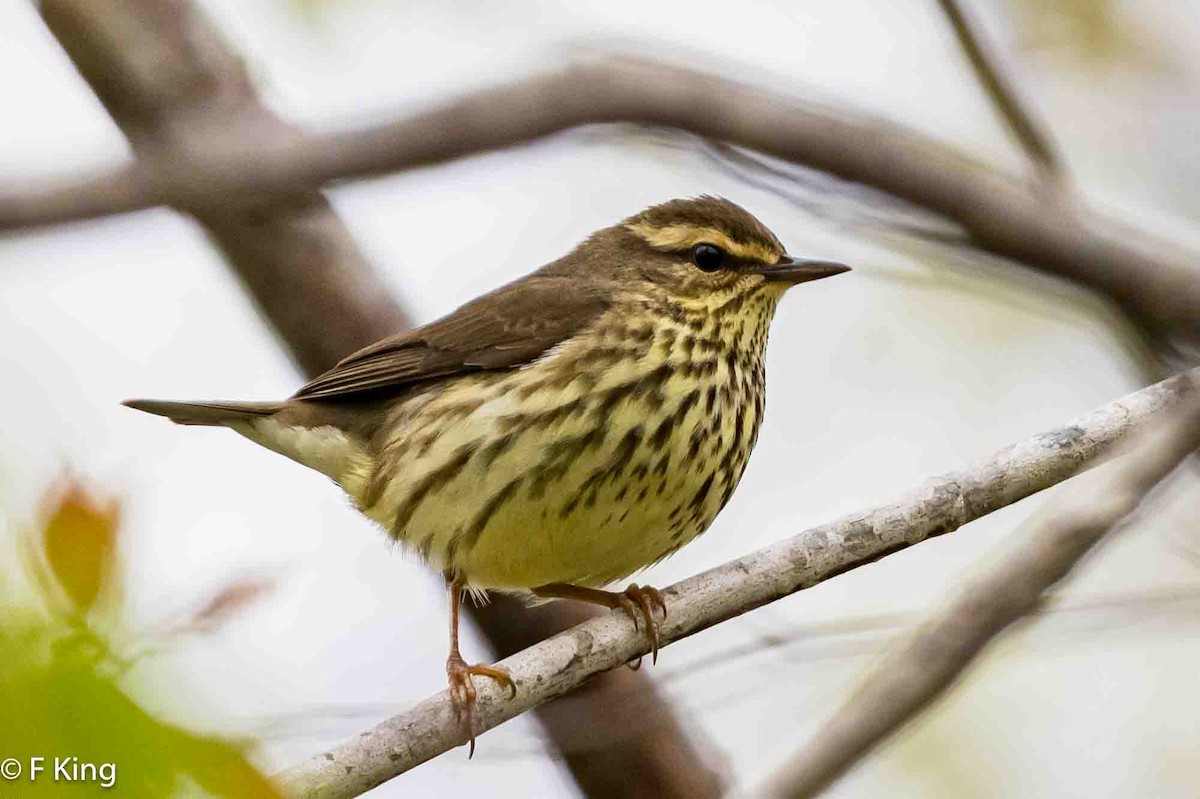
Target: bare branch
[
  {"x": 559, "y": 664},
  {"x": 1002, "y": 215},
  {"x": 172, "y": 84},
  {"x": 1019, "y": 118},
  {"x": 926, "y": 662}
]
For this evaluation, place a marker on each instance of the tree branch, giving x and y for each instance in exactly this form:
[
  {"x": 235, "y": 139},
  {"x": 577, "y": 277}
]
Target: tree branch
[
  {"x": 1002, "y": 215},
  {"x": 559, "y": 664},
  {"x": 1019, "y": 118},
  {"x": 172, "y": 84},
  {"x": 926, "y": 662}
]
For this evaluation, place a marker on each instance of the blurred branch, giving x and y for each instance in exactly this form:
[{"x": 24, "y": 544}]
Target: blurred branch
[
  {"x": 1019, "y": 118},
  {"x": 559, "y": 664},
  {"x": 173, "y": 85},
  {"x": 1003, "y": 215},
  {"x": 863, "y": 630},
  {"x": 926, "y": 662}
]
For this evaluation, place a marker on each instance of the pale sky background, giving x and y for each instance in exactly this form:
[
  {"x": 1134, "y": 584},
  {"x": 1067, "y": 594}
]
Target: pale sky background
[{"x": 917, "y": 363}]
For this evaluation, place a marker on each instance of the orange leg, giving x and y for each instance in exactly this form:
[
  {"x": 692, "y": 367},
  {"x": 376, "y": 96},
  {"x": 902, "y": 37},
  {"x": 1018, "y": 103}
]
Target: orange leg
[
  {"x": 638, "y": 601},
  {"x": 462, "y": 689}
]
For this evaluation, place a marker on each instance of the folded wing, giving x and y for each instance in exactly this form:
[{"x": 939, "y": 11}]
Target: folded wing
[{"x": 510, "y": 326}]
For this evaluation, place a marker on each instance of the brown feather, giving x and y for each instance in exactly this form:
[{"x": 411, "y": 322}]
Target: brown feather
[{"x": 510, "y": 326}]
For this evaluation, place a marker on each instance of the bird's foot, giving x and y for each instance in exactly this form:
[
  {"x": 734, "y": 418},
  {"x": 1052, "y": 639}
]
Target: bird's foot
[
  {"x": 639, "y": 602},
  {"x": 643, "y": 600},
  {"x": 463, "y": 694}
]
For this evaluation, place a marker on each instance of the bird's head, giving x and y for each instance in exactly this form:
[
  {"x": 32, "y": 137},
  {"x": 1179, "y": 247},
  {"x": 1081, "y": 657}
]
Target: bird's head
[{"x": 700, "y": 252}]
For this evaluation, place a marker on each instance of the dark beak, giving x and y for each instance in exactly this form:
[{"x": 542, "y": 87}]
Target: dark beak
[{"x": 797, "y": 270}]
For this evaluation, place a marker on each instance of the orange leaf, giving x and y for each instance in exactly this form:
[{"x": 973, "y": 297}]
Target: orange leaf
[{"x": 79, "y": 538}]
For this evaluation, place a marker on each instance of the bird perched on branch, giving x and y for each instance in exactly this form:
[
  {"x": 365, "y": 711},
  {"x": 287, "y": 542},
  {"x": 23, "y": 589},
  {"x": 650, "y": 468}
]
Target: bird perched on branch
[{"x": 563, "y": 431}]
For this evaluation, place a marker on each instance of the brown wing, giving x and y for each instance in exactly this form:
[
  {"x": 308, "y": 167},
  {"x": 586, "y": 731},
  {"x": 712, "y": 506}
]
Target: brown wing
[{"x": 505, "y": 328}]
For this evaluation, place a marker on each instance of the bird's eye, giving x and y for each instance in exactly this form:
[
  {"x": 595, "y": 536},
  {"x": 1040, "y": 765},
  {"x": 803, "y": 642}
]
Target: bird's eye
[{"x": 708, "y": 257}]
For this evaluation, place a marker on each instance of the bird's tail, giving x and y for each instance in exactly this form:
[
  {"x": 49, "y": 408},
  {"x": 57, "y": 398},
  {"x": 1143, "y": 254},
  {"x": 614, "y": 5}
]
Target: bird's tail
[{"x": 215, "y": 414}]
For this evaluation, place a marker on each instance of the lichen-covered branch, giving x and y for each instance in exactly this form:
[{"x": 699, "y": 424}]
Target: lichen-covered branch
[
  {"x": 927, "y": 661},
  {"x": 560, "y": 664}
]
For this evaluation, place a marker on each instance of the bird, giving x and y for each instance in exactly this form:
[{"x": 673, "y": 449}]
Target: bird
[{"x": 562, "y": 432}]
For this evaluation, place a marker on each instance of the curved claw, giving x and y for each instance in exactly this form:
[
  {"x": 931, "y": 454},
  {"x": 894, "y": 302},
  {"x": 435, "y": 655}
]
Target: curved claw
[
  {"x": 463, "y": 696},
  {"x": 647, "y": 600},
  {"x": 627, "y": 604}
]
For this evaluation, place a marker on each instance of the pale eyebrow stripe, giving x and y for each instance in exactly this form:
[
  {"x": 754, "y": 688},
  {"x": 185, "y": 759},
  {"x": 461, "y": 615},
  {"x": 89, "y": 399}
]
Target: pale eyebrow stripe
[{"x": 679, "y": 237}]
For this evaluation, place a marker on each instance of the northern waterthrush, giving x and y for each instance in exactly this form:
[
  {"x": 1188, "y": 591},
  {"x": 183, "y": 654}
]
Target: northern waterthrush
[{"x": 563, "y": 431}]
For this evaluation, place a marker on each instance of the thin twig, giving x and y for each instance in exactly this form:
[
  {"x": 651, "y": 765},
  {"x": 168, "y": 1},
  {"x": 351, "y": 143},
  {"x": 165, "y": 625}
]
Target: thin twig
[
  {"x": 1020, "y": 118},
  {"x": 926, "y": 662},
  {"x": 559, "y": 664}
]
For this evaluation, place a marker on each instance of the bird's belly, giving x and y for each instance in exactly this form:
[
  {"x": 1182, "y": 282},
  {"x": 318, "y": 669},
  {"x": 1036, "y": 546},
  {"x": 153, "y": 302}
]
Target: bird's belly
[
  {"x": 585, "y": 491},
  {"x": 529, "y": 545},
  {"x": 587, "y": 534}
]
